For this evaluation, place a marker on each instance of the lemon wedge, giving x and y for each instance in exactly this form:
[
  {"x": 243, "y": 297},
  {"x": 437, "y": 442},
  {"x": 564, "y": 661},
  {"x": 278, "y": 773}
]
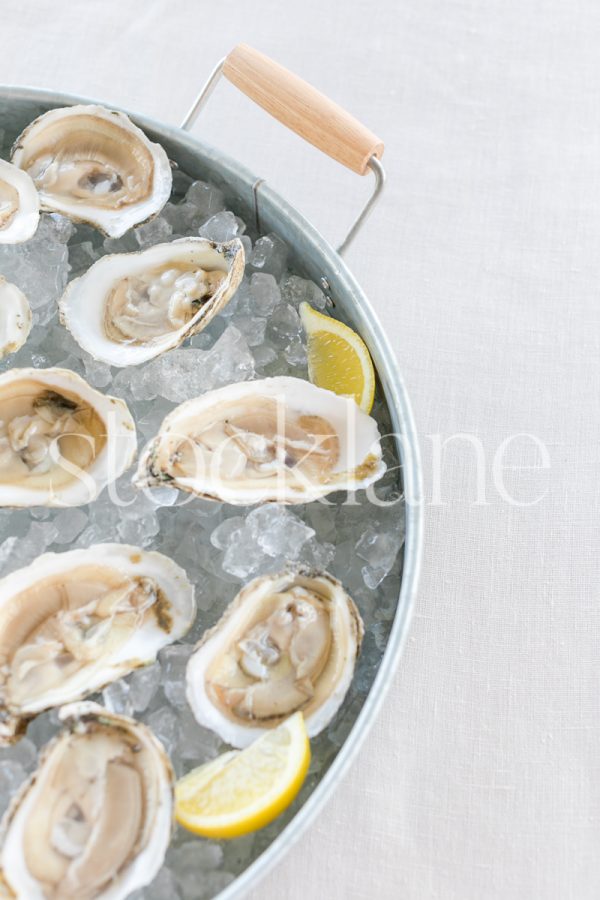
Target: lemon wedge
[
  {"x": 243, "y": 790},
  {"x": 338, "y": 358}
]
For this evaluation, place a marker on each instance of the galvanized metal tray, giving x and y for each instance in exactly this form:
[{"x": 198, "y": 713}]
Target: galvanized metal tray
[{"x": 314, "y": 258}]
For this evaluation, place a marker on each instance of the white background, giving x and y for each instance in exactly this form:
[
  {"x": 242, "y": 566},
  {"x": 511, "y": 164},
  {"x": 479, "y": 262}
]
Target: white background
[{"x": 481, "y": 778}]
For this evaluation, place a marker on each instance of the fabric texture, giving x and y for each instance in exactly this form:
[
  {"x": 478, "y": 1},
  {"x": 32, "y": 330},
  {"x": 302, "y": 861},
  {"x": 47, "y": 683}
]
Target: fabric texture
[{"x": 480, "y": 778}]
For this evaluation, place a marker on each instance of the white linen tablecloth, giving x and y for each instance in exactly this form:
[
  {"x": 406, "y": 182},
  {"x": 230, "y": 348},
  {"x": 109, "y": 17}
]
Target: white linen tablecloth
[{"x": 481, "y": 778}]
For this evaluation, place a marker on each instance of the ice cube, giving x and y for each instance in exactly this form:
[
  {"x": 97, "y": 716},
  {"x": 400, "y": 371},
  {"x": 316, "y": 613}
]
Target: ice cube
[
  {"x": 7, "y": 548},
  {"x": 227, "y": 532},
  {"x": 173, "y": 660},
  {"x": 137, "y": 383},
  {"x": 68, "y": 524},
  {"x": 139, "y": 523},
  {"x": 96, "y": 372},
  {"x": 269, "y": 256},
  {"x": 39, "y": 513},
  {"x": 241, "y": 558},
  {"x": 264, "y": 355},
  {"x": 164, "y": 887},
  {"x": 139, "y": 532},
  {"x": 246, "y": 244},
  {"x": 54, "y": 226},
  {"x": 143, "y": 685},
  {"x": 12, "y": 776},
  {"x": 45, "y": 315},
  {"x": 379, "y": 549},
  {"x": 40, "y": 361},
  {"x": 198, "y": 744},
  {"x": 252, "y": 327},
  {"x": 163, "y": 722},
  {"x": 205, "y": 198},
  {"x": 192, "y": 863},
  {"x": 322, "y": 518},
  {"x": 259, "y": 296},
  {"x": 295, "y": 353},
  {"x": 40, "y": 266},
  {"x": 179, "y": 216},
  {"x": 380, "y": 632},
  {"x": 81, "y": 257},
  {"x": 116, "y": 699},
  {"x": 295, "y": 290},
  {"x": 346, "y": 563},
  {"x": 90, "y": 535},
  {"x": 60, "y": 341},
  {"x": 316, "y": 554},
  {"x": 127, "y": 243},
  {"x": 213, "y": 883},
  {"x": 284, "y": 324},
  {"x": 39, "y": 537},
  {"x": 204, "y": 340},
  {"x": 181, "y": 181},
  {"x": 156, "y": 231},
  {"x": 278, "y": 532},
  {"x": 163, "y": 496},
  {"x": 223, "y": 226},
  {"x": 43, "y": 728},
  {"x": 23, "y": 752}
]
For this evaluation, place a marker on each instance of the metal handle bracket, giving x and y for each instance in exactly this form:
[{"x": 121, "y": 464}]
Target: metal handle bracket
[{"x": 299, "y": 125}]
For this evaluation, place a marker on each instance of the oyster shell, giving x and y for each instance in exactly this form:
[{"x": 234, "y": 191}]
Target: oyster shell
[
  {"x": 19, "y": 205},
  {"x": 131, "y": 307},
  {"x": 70, "y": 623},
  {"x": 281, "y": 439},
  {"x": 95, "y": 820},
  {"x": 15, "y": 318},
  {"x": 287, "y": 642},
  {"x": 94, "y": 165},
  {"x": 61, "y": 441}
]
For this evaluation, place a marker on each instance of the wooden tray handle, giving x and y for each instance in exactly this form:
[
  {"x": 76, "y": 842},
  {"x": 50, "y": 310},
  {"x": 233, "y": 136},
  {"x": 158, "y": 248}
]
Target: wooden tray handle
[{"x": 302, "y": 108}]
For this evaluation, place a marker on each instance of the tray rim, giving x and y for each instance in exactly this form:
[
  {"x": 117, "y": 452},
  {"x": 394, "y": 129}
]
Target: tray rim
[{"x": 409, "y": 452}]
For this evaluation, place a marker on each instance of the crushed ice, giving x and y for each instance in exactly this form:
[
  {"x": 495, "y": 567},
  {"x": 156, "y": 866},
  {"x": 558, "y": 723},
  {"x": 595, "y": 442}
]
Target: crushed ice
[{"x": 258, "y": 334}]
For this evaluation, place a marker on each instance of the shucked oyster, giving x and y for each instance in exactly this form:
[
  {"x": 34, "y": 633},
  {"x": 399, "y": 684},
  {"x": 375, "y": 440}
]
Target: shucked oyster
[
  {"x": 131, "y": 307},
  {"x": 287, "y": 642},
  {"x": 70, "y": 623},
  {"x": 280, "y": 439},
  {"x": 94, "y": 165},
  {"x": 15, "y": 318},
  {"x": 61, "y": 441},
  {"x": 19, "y": 205},
  {"x": 95, "y": 819}
]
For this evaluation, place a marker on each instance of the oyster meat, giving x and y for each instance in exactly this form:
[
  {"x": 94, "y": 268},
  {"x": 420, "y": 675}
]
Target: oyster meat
[
  {"x": 287, "y": 642},
  {"x": 95, "y": 820},
  {"x": 281, "y": 439},
  {"x": 131, "y": 307},
  {"x": 15, "y": 318},
  {"x": 94, "y": 165},
  {"x": 19, "y": 205},
  {"x": 61, "y": 441},
  {"x": 70, "y": 623}
]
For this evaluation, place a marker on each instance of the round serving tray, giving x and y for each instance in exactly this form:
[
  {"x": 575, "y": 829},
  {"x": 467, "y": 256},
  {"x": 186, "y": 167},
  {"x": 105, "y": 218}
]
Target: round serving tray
[{"x": 314, "y": 258}]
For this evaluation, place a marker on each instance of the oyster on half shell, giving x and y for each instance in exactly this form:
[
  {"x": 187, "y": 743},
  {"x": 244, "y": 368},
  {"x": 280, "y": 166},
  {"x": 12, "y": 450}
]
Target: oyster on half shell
[
  {"x": 94, "y": 165},
  {"x": 281, "y": 439},
  {"x": 95, "y": 820},
  {"x": 287, "y": 642},
  {"x": 131, "y": 307},
  {"x": 71, "y": 623},
  {"x": 15, "y": 318},
  {"x": 19, "y": 205},
  {"x": 61, "y": 441}
]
